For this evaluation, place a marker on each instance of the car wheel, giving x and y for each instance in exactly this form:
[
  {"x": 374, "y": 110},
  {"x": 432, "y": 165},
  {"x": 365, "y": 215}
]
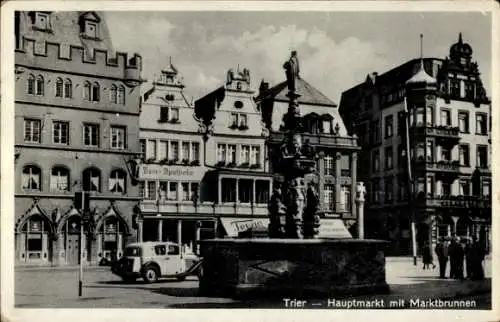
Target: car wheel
[{"x": 150, "y": 274}]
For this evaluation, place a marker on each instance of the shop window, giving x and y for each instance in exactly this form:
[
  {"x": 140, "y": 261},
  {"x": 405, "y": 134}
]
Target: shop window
[
  {"x": 228, "y": 190},
  {"x": 35, "y": 232},
  {"x": 117, "y": 181},
  {"x": 262, "y": 191},
  {"x": 59, "y": 179},
  {"x": 31, "y": 178},
  {"x": 245, "y": 191}
]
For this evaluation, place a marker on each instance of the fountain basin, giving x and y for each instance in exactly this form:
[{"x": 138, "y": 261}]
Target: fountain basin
[{"x": 292, "y": 267}]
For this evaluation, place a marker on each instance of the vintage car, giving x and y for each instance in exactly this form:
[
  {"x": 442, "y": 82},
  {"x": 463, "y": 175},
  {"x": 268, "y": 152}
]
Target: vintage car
[{"x": 153, "y": 260}]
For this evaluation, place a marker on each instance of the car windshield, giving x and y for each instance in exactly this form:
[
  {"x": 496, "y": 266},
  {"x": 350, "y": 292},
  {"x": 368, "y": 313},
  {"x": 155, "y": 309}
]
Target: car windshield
[{"x": 132, "y": 251}]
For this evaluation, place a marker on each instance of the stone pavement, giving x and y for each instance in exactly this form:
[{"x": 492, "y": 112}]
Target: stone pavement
[{"x": 57, "y": 288}]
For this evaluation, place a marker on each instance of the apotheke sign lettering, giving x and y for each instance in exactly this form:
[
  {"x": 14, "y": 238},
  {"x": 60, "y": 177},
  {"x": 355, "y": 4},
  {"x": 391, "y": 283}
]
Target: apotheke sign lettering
[{"x": 162, "y": 172}]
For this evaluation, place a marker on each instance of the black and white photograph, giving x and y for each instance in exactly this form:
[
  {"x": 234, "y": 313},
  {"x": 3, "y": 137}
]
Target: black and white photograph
[{"x": 299, "y": 158}]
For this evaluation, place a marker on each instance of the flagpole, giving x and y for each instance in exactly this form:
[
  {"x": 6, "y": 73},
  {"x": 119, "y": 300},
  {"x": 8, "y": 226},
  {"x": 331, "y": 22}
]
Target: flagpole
[{"x": 410, "y": 185}]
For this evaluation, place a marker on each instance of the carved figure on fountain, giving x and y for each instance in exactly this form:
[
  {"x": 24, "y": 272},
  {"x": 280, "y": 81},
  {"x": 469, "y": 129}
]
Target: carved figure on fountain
[
  {"x": 277, "y": 214},
  {"x": 311, "y": 212}
]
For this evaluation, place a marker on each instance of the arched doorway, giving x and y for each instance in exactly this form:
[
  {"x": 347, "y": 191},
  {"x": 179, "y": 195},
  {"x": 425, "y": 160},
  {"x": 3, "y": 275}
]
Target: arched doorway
[
  {"x": 71, "y": 235},
  {"x": 110, "y": 237},
  {"x": 33, "y": 240}
]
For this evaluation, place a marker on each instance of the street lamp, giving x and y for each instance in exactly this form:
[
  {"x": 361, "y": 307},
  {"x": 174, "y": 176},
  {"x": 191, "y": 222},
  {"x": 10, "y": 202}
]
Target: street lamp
[{"x": 411, "y": 205}]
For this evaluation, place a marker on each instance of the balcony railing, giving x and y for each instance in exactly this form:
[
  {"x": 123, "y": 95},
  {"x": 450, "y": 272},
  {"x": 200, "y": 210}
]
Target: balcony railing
[
  {"x": 179, "y": 207},
  {"x": 320, "y": 140},
  {"x": 440, "y": 166},
  {"x": 481, "y": 202},
  {"x": 438, "y": 131}
]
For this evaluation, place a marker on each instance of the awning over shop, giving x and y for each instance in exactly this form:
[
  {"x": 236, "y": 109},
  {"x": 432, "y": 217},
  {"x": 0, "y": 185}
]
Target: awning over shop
[
  {"x": 329, "y": 228},
  {"x": 333, "y": 228},
  {"x": 235, "y": 226}
]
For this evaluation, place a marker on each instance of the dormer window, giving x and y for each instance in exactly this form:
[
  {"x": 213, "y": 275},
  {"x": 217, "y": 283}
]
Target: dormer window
[
  {"x": 91, "y": 29},
  {"x": 40, "y": 20},
  {"x": 89, "y": 25}
]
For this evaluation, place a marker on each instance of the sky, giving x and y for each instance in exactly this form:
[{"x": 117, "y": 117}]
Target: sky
[{"x": 336, "y": 49}]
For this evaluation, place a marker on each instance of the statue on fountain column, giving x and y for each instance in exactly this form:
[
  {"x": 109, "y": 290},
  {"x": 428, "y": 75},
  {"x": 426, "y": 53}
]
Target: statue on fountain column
[
  {"x": 292, "y": 71},
  {"x": 295, "y": 209},
  {"x": 311, "y": 217}
]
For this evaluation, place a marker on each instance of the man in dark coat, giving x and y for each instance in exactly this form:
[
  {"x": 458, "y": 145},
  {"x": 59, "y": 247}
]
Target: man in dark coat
[
  {"x": 442, "y": 255},
  {"x": 469, "y": 258},
  {"x": 458, "y": 255},
  {"x": 477, "y": 260}
]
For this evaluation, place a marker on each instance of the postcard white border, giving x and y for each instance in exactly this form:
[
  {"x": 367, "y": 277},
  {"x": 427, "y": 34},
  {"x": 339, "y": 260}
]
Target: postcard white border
[{"x": 7, "y": 164}]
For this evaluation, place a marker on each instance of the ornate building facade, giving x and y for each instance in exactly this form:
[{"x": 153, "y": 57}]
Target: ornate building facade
[
  {"x": 449, "y": 128},
  {"x": 237, "y": 183},
  {"x": 77, "y": 126},
  {"x": 172, "y": 167}
]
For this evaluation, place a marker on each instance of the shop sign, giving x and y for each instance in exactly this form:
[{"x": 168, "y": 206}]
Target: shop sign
[
  {"x": 234, "y": 226},
  {"x": 333, "y": 228},
  {"x": 151, "y": 171}
]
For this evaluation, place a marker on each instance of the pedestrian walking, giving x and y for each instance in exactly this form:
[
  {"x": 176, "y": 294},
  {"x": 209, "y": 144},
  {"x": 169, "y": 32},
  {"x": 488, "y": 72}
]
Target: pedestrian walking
[
  {"x": 427, "y": 256},
  {"x": 442, "y": 255}
]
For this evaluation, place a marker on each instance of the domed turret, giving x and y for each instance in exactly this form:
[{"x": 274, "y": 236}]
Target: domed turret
[
  {"x": 421, "y": 77},
  {"x": 460, "y": 52}
]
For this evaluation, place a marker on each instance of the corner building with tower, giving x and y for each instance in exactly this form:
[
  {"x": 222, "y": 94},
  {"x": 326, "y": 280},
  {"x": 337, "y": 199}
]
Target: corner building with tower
[
  {"x": 449, "y": 131},
  {"x": 76, "y": 129}
]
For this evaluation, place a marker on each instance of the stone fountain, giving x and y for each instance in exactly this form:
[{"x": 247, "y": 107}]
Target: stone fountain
[{"x": 292, "y": 261}]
